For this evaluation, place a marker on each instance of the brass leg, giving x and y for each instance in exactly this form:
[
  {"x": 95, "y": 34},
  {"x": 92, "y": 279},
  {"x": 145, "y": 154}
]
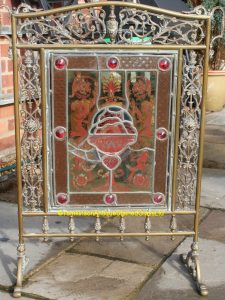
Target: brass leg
[
  {"x": 191, "y": 261},
  {"x": 22, "y": 262}
]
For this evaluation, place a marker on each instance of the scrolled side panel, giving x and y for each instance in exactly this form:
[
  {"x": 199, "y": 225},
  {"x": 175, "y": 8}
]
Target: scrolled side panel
[
  {"x": 31, "y": 129},
  {"x": 190, "y": 124}
]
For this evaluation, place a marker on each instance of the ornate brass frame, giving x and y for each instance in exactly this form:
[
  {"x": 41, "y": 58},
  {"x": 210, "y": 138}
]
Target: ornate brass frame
[{"x": 33, "y": 32}]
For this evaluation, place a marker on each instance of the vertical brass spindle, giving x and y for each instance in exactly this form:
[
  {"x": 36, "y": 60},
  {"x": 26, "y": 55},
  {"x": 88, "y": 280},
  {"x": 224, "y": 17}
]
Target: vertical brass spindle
[
  {"x": 45, "y": 228},
  {"x": 71, "y": 227},
  {"x": 148, "y": 226},
  {"x": 173, "y": 226},
  {"x": 98, "y": 227},
  {"x": 122, "y": 227}
]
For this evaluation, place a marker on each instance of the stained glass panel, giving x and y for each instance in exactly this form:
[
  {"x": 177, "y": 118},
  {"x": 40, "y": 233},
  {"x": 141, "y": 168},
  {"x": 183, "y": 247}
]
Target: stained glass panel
[{"x": 112, "y": 135}]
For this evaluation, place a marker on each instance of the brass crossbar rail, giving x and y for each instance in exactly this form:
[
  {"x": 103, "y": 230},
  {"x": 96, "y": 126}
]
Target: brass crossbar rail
[
  {"x": 109, "y": 3},
  {"x": 110, "y": 234},
  {"x": 70, "y": 213},
  {"x": 109, "y": 46}
]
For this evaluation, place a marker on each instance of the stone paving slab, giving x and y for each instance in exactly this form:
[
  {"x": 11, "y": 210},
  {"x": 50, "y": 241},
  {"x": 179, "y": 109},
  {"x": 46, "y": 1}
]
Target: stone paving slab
[
  {"x": 188, "y": 294},
  {"x": 216, "y": 118},
  {"x": 214, "y": 155},
  {"x": 84, "y": 277},
  {"x": 136, "y": 249},
  {"x": 215, "y": 134},
  {"x": 214, "y": 142},
  {"x": 213, "y": 228},
  {"x": 133, "y": 249},
  {"x": 173, "y": 279},
  {"x": 36, "y": 250},
  {"x": 213, "y": 188}
]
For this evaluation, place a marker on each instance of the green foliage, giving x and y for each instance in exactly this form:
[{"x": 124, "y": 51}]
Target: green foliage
[
  {"x": 190, "y": 4},
  {"x": 216, "y": 29},
  {"x": 209, "y": 4},
  {"x": 222, "y": 3}
]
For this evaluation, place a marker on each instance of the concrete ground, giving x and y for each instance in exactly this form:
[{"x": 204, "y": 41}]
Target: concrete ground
[
  {"x": 214, "y": 145},
  {"x": 110, "y": 269}
]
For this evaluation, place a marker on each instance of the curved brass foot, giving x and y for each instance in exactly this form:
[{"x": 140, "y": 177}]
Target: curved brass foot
[
  {"x": 191, "y": 261},
  {"x": 21, "y": 265},
  {"x": 203, "y": 291},
  {"x": 18, "y": 287}
]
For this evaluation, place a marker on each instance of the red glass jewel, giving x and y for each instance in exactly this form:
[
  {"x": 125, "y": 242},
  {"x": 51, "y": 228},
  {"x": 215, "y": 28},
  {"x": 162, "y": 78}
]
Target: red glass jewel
[
  {"x": 113, "y": 63},
  {"x": 158, "y": 198},
  {"x": 62, "y": 198},
  {"x": 161, "y": 134},
  {"x": 60, "y": 133},
  {"x": 164, "y": 64},
  {"x": 109, "y": 199},
  {"x": 60, "y": 63}
]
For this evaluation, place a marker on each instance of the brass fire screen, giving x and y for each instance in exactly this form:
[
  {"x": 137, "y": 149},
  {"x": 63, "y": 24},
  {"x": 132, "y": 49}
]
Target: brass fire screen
[{"x": 109, "y": 107}]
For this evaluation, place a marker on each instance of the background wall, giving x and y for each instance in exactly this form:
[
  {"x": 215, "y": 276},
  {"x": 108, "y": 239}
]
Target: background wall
[{"x": 7, "y": 139}]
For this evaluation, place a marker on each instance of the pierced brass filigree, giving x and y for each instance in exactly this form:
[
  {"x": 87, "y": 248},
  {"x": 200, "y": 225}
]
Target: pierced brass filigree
[
  {"x": 31, "y": 126},
  {"x": 217, "y": 10},
  {"x": 91, "y": 25},
  {"x": 189, "y": 130}
]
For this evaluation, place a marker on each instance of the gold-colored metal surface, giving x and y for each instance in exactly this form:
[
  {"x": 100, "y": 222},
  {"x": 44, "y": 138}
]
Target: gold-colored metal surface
[
  {"x": 173, "y": 223},
  {"x": 109, "y": 46},
  {"x": 114, "y": 3},
  {"x": 17, "y": 130},
  {"x": 108, "y": 234},
  {"x": 19, "y": 279},
  {"x": 202, "y": 131},
  {"x": 192, "y": 263},
  {"x": 176, "y": 137},
  {"x": 31, "y": 129},
  {"x": 86, "y": 214},
  {"x": 22, "y": 261},
  {"x": 191, "y": 100},
  {"x": 148, "y": 25},
  {"x": 44, "y": 130}
]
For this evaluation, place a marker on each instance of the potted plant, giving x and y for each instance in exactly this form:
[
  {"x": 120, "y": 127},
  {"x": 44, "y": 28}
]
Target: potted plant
[{"x": 216, "y": 79}]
